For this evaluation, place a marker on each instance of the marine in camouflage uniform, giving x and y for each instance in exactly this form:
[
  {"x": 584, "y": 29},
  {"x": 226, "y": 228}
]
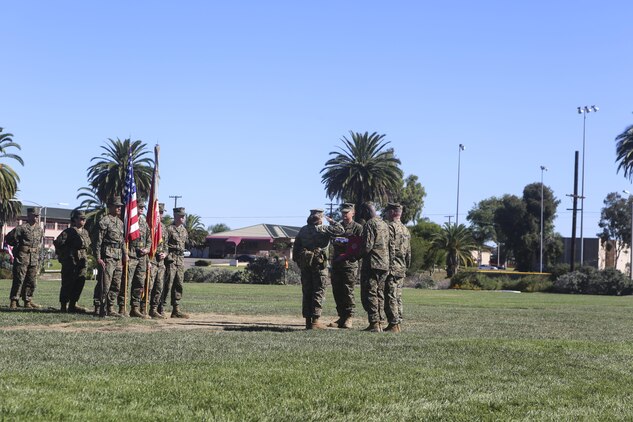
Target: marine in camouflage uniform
[
  {"x": 399, "y": 261},
  {"x": 72, "y": 246},
  {"x": 375, "y": 265},
  {"x": 157, "y": 277},
  {"x": 177, "y": 239},
  {"x": 345, "y": 268},
  {"x": 26, "y": 240},
  {"x": 109, "y": 251},
  {"x": 310, "y": 253},
  {"x": 137, "y": 263}
]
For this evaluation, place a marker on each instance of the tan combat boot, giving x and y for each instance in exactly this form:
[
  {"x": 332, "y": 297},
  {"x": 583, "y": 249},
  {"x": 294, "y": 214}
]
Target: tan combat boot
[
  {"x": 110, "y": 312},
  {"x": 335, "y": 324},
  {"x": 374, "y": 327},
  {"x": 153, "y": 312},
  {"x": 345, "y": 323},
  {"x": 393, "y": 328},
  {"x": 29, "y": 304},
  {"x": 122, "y": 311},
  {"x": 136, "y": 312},
  {"x": 317, "y": 324},
  {"x": 14, "y": 304},
  {"x": 177, "y": 313}
]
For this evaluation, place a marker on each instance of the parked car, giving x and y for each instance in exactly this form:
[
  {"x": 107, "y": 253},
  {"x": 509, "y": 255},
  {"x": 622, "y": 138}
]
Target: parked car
[
  {"x": 246, "y": 258},
  {"x": 487, "y": 267},
  {"x": 186, "y": 254}
]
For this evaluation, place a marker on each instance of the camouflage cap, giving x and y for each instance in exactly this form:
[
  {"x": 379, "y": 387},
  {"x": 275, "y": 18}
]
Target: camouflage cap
[
  {"x": 179, "y": 211},
  {"x": 347, "y": 207},
  {"x": 115, "y": 201},
  {"x": 393, "y": 206},
  {"x": 77, "y": 214},
  {"x": 161, "y": 207},
  {"x": 33, "y": 210}
]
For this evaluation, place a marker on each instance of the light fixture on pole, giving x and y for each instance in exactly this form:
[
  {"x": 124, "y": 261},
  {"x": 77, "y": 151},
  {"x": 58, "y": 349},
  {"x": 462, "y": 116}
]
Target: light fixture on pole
[
  {"x": 543, "y": 169},
  {"x": 584, "y": 111},
  {"x": 631, "y": 245},
  {"x": 459, "y": 161}
]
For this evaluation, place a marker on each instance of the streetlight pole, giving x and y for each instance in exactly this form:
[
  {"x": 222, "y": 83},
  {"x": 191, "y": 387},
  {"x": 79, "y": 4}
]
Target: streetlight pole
[
  {"x": 631, "y": 245},
  {"x": 543, "y": 169},
  {"x": 584, "y": 111},
  {"x": 459, "y": 161}
]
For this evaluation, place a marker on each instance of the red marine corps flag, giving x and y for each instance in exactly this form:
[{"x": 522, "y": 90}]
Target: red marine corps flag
[
  {"x": 132, "y": 230},
  {"x": 153, "y": 215}
]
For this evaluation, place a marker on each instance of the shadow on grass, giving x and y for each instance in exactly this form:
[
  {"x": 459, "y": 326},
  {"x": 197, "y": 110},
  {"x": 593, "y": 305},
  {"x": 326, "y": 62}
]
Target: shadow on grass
[
  {"x": 243, "y": 326},
  {"x": 43, "y": 310}
]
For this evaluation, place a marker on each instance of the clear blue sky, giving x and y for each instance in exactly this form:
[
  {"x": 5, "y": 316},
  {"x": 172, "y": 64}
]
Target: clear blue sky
[{"x": 247, "y": 98}]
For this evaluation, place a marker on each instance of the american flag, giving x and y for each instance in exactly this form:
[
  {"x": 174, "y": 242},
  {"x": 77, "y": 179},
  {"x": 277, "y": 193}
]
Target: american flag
[{"x": 132, "y": 231}]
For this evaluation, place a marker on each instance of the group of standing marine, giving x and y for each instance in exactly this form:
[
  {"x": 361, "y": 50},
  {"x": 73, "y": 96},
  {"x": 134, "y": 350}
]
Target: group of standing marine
[
  {"x": 73, "y": 245},
  {"x": 383, "y": 249}
]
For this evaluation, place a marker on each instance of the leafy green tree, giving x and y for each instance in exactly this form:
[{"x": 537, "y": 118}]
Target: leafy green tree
[
  {"x": 615, "y": 222},
  {"x": 458, "y": 243},
  {"x": 107, "y": 175},
  {"x": 218, "y": 228},
  {"x": 411, "y": 197},
  {"x": 364, "y": 170},
  {"x": 482, "y": 220},
  {"x": 195, "y": 229},
  {"x": 624, "y": 152},
  {"x": 424, "y": 257}
]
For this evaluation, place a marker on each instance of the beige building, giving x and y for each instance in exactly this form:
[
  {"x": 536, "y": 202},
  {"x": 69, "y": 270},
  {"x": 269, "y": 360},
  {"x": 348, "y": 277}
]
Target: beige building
[{"x": 52, "y": 220}]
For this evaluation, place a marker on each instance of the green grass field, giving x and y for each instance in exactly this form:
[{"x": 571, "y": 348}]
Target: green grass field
[{"x": 463, "y": 355}]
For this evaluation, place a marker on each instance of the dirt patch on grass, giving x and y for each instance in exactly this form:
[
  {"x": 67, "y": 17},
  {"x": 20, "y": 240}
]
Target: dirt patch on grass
[{"x": 197, "y": 321}]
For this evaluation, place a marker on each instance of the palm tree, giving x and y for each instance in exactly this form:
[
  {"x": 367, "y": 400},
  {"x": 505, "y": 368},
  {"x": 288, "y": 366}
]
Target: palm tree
[
  {"x": 624, "y": 152},
  {"x": 107, "y": 175},
  {"x": 364, "y": 170},
  {"x": 458, "y": 243},
  {"x": 8, "y": 177},
  {"x": 195, "y": 229}
]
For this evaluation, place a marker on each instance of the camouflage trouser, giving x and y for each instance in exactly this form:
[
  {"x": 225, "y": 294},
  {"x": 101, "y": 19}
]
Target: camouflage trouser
[
  {"x": 157, "y": 279},
  {"x": 24, "y": 281},
  {"x": 136, "y": 276},
  {"x": 73, "y": 281},
  {"x": 393, "y": 299},
  {"x": 110, "y": 277},
  {"x": 174, "y": 279},
  {"x": 372, "y": 290},
  {"x": 313, "y": 287},
  {"x": 343, "y": 281}
]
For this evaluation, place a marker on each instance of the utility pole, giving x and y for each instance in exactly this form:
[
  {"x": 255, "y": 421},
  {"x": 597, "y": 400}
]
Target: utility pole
[
  {"x": 175, "y": 199},
  {"x": 449, "y": 219},
  {"x": 331, "y": 205},
  {"x": 575, "y": 197}
]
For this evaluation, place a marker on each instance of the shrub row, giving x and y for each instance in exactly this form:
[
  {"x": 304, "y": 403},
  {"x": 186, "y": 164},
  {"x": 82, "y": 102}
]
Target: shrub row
[
  {"x": 260, "y": 271},
  {"x": 588, "y": 280},
  {"x": 474, "y": 280}
]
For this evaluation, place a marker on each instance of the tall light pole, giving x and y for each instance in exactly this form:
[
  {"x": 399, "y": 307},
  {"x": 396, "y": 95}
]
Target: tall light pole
[
  {"x": 459, "y": 162},
  {"x": 631, "y": 245},
  {"x": 584, "y": 111},
  {"x": 543, "y": 169}
]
